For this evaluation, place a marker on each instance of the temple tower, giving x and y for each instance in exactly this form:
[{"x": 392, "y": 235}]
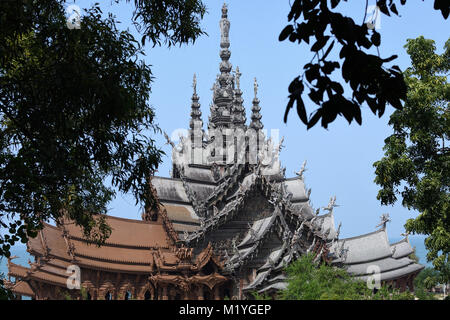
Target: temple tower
[{"x": 224, "y": 85}]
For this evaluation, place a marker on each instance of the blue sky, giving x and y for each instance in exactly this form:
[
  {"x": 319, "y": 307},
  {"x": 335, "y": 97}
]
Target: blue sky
[{"x": 339, "y": 160}]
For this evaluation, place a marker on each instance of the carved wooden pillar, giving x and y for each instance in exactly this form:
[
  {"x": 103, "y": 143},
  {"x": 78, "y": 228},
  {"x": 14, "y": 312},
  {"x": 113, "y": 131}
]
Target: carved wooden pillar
[
  {"x": 117, "y": 287},
  {"x": 396, "y": 284},
  {"x": 241, "y": 286},
  {"x": 216, "y": 293},
  {"x": 403, "y": 284},
  {"x": 164, "y": 293},
  {"x": 411, "y": 283},
  {"x": 97, "y": 285},
  {"x": 158, "y": 292},
  {"x": 41, "y": 293},
  {"x": 200, "y": 292}
]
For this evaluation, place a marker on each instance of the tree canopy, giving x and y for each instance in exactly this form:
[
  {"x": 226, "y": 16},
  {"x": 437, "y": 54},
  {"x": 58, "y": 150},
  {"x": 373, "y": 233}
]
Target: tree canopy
[
  {"x": 74, "y": 111},
  {"x": 416, "y": 163},
  {"x": 309, "y": 281},
  {"x": 372, "y": 82}
]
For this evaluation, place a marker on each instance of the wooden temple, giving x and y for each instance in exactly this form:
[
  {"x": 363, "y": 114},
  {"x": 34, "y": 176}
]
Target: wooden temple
[
  {"x": 140, "y": 260},
  {"x": 229, "y": 222}
]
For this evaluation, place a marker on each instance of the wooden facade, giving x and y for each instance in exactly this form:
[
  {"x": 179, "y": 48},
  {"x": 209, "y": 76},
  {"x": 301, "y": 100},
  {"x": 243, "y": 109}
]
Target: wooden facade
[{"x": 139, "y": 261}]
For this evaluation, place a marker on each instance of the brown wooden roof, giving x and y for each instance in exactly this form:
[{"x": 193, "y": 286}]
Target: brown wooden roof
[
  {"x": 129, "y": 233},
  {"x": 23, "y": 288},
  {"x": 16, "y": 270},
  {"x": 134, "y": 247}
]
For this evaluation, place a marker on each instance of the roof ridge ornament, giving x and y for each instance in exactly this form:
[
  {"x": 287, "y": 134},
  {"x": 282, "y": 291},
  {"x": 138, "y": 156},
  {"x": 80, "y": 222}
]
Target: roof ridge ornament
[
  {"x": 168, "y": 140},
  {"x": 331, "y": 204},
  {"x": 301, "y": 171},
  {"x": 384, "y": 220},
  {"x": 405, "y": 234},
  {"x": 338, "y": 232}
]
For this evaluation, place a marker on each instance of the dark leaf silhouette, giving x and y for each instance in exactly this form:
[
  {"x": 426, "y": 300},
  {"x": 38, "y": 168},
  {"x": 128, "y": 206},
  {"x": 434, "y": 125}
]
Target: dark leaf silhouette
[
  {"x": 372, "y": 81},
  {"x": 286, "y": 32}
]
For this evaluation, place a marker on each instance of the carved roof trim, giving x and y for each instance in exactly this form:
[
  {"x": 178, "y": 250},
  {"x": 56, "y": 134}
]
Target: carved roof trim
[{"x": 23, "y": 288}]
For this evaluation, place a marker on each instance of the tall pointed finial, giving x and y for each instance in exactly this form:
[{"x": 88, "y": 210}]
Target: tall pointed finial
[
  {"x": 224, "y": 10},
  {"x": 196, "y": 115},
  {"x": 238, "y": 78},
  {"x": 238, "y": 110},
  {"x": 224, "y": 28},
  {"x": 194, "y": 84},
  {"x": 221, "y": 108},
  {"x": 256, "y": 116},
  {"x": 255, "y": 87}
]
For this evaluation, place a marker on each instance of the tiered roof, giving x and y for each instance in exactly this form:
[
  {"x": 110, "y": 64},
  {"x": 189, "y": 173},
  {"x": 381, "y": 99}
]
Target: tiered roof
[
  {"x": 250, "y": 214},
  {"x": 216, "y": 197},
  {"x": 361, "y": 254},
  {"x": 134, "y": 247}
]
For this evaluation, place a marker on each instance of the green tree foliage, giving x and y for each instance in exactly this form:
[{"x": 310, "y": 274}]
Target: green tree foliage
[
  {"x": 169, "y": 21},
  {"x": 416, "y": 163},
  {"x": 425, "y": 280},
  {"x": 309, "y": 281},
  {"x": 74, "y": 111},
  {"x": 413, "y": 256},
  {"x": 4, "y": 293},
  {"x": 371, "y": 81}
]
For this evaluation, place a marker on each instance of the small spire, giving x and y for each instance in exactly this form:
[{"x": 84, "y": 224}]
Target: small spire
[
  {"x": 256, "y": 116},
  {"x": 194, "y": 84},
  {"x": 221, "y": 108},
  {"x": 224, "y": 23},
  {"x": 224, "y": 10},
  {"x": 238, "y": 77},
  {"x": 196, "y": 115},
  {"x": 238, "y": 109},
  {"x": 224, "y": 28}
]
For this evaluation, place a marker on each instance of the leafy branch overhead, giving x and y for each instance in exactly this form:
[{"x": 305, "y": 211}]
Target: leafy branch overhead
[
  {"x": 416, "y": 162},
  {"x": 168, "y": 21},
  {"x": 74, "y": 111},
  {"x": 372, "y": 82}
]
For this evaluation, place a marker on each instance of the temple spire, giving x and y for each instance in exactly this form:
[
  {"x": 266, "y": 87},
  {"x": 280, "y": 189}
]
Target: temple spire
[
  {"x": 256, "y": 116},
  {"x": 238, "y": 78},
  {"x": 225, "y": 65},
  {"x": 223, "y": 88},
  {"x": 196, "y": 115},
  {"x": 224, "y": 28},
  {"x": 238, "y": 108},
  {"x": 194, "y": 84}
]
